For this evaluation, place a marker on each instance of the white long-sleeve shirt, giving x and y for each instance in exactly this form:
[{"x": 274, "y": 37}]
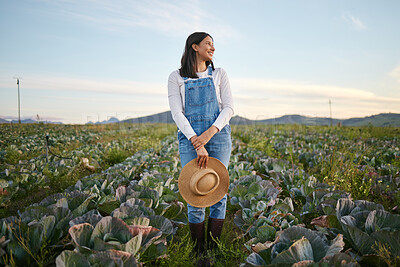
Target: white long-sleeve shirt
[{"x": 176, "y": 99}]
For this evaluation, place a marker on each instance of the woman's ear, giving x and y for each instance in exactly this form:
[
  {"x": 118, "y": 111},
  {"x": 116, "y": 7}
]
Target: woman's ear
[{"x": 194, "y": 46}]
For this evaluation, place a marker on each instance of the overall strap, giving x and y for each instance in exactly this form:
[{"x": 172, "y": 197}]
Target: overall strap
[{"x": 209, "y": 70}]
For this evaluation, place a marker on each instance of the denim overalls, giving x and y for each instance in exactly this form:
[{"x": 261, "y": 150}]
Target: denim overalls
[{"x": 201, "y": 110}]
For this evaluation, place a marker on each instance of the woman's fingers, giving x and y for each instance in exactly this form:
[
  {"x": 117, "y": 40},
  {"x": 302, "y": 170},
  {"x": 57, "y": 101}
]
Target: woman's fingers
[
  {"x": 203, "y": 163},
  {"x": 200, "y": 162},
  {"x": 202, "y": 157},
  {"x": 199, "y": 141},
  {"x": 193, "y": 139},
  {"x": 196, "y": 144}
]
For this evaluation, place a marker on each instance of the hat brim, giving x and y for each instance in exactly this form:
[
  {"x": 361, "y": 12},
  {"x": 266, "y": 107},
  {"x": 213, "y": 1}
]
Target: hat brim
[{"x": 207, "y": 200}]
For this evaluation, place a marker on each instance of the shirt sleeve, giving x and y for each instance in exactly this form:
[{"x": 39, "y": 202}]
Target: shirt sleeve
[
  {"x": 176, "y": 106},
  {"x": 227, "y": 102}
]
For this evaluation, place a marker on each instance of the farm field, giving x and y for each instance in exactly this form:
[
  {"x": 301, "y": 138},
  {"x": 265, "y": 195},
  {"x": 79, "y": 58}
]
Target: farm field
[{"x": 108, "y": 195}]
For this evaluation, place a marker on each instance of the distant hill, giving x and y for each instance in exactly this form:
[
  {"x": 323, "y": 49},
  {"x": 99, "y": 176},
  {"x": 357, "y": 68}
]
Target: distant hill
[
  {"x": 24, "y": 121},
  {"x": 110, "y": 120},
  {"x": 28, "y": 121},
  {"x": 164, "y": 117},
  {"x": 298, "y": 119},
  {"x": 237, "y": 120},
  {"x": 383, "y": 119}
]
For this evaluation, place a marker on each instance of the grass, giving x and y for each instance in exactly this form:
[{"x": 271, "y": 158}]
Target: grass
[
  {"x": 179, "y": 251},
  {"x": 230, "y": 250},
  {"x": 116, "y": 155}
]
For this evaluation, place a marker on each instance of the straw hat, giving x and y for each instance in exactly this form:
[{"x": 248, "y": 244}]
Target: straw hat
[{"x": 203, "y": 187}]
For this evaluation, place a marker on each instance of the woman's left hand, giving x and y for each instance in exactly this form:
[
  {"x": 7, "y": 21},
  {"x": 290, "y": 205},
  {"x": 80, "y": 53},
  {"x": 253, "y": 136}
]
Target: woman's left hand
[{"x": 202, "y": 140}]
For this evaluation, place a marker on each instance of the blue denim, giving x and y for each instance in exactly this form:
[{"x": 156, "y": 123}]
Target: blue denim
[{"x": 201, "y": 110}]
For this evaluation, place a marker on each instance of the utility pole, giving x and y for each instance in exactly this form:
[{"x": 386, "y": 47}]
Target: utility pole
[
  {"x": 330, "y": 110},
  {"x": 19, "y": 106}
]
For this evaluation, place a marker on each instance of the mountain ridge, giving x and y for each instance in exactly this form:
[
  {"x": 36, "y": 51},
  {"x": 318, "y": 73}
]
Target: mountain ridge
[
  {"x": 29, "y": 120},
  {"x": 382, "y": 119}
]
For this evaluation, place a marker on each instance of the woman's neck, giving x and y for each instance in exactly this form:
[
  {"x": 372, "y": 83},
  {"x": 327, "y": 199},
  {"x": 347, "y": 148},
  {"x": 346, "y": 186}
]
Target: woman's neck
[{"x": 201, "y": 66}]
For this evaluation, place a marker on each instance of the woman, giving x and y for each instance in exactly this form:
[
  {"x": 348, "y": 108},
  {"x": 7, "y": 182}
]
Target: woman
[{"x": 201, "y": 104}]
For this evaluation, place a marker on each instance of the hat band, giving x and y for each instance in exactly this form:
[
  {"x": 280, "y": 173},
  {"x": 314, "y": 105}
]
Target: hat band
[{"x": 204, "y": 182}]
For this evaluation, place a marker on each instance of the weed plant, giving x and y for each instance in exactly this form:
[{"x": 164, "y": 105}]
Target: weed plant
[
  {"x": 13, "y": 156},
  {"x": 384, "y": 252},
  {"x": 41, "y": 257}
]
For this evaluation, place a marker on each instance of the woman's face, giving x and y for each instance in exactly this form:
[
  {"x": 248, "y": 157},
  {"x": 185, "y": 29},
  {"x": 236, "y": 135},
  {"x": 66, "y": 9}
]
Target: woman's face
[{"x": 205, "y": 49}]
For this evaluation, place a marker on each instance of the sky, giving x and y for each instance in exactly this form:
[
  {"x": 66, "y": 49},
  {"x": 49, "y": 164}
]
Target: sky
[{"x": 90, "y": 60}]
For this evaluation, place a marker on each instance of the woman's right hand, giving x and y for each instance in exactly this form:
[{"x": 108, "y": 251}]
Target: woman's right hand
[{"x": 202, "y": 157}]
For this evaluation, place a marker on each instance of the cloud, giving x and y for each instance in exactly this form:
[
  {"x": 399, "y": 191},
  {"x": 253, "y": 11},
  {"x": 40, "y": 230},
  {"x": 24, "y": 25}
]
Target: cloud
[
  {"x": 268, "y": 98},
  {"x": 395, "y": 73},
  {"x": 301, "y": 89},
  {"x": 70, "y": 97},
  {"x": 253, "y": 98},
  {"x": 355, "y": 22},
  {"x": 125, "y": 87},
  {"x": 168, "y": 17}
]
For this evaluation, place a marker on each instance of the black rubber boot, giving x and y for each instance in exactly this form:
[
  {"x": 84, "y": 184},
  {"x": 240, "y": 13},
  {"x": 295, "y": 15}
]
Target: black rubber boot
[
  {"x": 214, "y": 229},
  {"x": 198, "y": 236}
]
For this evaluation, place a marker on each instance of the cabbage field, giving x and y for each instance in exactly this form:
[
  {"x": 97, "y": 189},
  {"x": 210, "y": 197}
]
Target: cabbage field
[{"x": 107, "y": 195}]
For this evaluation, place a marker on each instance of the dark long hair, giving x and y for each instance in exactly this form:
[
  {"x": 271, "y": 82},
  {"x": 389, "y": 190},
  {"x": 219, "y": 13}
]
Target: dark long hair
[{"x": 188, "y": 61}]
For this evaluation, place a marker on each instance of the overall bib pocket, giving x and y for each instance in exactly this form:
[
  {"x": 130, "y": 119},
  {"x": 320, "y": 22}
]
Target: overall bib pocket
[{"x": 200, "y": 95}]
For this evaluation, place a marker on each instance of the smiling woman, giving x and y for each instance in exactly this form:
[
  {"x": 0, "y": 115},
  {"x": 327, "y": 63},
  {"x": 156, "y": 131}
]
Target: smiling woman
[
  {"x": 200, "y": 99},
  {"x": 204, "y": 53}
]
